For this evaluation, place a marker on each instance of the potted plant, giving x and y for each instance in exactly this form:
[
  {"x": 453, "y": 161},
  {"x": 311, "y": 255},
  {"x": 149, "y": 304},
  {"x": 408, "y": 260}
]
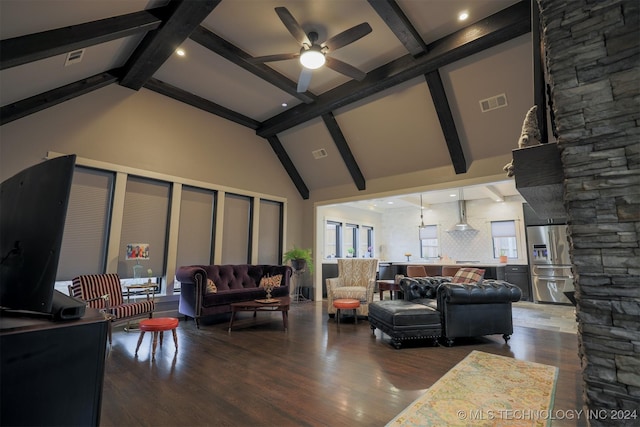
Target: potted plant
[{"x": 299, "y": 257}]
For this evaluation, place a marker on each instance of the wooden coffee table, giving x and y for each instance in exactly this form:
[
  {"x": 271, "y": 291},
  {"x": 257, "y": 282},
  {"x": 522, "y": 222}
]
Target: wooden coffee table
[
  {"x": 388, "y": 285},
  {"x": 282, "y": 304}
]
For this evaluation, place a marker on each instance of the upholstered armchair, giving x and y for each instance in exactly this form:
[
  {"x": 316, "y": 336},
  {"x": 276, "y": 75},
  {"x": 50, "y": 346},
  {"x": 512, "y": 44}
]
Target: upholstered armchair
[
  {"x": 356, "y": 279},
  {"x": 104, "y": 292}
]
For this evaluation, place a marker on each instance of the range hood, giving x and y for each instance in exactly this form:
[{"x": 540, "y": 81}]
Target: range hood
[{"x": 462, "y": 225}]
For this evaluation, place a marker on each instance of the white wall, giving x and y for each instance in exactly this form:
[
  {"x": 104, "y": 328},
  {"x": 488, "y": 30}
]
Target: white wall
[{"x": 151, "y": 132}]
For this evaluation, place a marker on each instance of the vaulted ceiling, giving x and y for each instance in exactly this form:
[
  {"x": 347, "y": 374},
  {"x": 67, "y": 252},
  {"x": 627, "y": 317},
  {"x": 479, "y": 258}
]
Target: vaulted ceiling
[{"x": 418, "y": 107}]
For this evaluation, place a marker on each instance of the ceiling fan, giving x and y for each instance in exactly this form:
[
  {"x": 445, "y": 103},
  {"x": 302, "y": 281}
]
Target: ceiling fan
[{"x": 312, "y": 54}]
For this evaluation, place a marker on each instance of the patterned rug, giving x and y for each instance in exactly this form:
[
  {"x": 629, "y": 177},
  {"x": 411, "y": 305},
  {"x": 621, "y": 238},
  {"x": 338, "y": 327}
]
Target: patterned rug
[{"x": 486, "y": 390}]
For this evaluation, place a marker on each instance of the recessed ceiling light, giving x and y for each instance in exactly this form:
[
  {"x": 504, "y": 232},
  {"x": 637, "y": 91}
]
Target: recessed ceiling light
[
  {"x": 284, "y": 104},
  {"x": 180, "y": 52},
  {"x": 462, "y": 16},
  {"x": 452, "y": 195},
  {"x": 389, "y": 203}
]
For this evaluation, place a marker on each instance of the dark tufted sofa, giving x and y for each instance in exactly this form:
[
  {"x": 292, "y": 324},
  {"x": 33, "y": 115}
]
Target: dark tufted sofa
[
  {"x": 234, "y": 283},
  {"x": 465, "y": 310}
]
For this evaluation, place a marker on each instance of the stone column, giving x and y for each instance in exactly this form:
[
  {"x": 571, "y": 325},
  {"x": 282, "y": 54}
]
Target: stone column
[{"x": 593, "y": 65}]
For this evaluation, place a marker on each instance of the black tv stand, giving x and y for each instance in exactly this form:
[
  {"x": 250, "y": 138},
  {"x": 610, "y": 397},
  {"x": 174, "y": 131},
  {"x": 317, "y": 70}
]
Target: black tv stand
[{"x": 62, "y": 363}]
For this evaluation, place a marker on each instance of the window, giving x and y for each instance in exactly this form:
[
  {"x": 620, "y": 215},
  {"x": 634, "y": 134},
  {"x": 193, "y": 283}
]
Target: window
[
  {"x": 429, "y": 241},
  {"x": 84, "y": 244},
  {"x": 270, "y": 235},
  {"x": 366, "y": 242},
  {"x": 351, "y": 241},
  {"x": 236, "y": 230},
  {"x": 504, "y": 239},
  {"x": 196, "y": 228},
  {"x": 332, "y": 233},
  {"x": 145, "y": 220}
]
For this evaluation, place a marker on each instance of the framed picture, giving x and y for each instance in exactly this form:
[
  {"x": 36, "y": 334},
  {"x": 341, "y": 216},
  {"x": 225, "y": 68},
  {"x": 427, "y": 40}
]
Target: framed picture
[{"x": 137, "y": 251}]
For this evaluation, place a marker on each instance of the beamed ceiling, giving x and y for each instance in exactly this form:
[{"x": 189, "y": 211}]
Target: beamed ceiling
[{"x": 418, "y": 106}]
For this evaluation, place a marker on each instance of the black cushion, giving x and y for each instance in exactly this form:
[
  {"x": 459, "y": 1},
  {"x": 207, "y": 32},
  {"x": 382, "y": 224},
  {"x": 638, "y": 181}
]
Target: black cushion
[{"x": 399, "y": 313}]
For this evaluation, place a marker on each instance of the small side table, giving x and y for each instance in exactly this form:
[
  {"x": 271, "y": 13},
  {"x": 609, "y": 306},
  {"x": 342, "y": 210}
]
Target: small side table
[
  {"x": 148, "y": 288},
  {"x": 389, "y": 285}
]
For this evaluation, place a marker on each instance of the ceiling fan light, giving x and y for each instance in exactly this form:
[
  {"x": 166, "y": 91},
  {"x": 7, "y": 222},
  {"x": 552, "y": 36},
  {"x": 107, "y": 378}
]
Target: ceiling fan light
[{"x": 312, "y": 58}]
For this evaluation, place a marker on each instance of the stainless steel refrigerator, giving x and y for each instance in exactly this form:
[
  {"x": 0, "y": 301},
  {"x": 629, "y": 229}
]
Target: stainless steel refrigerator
[{"x": 549, "y": 263}]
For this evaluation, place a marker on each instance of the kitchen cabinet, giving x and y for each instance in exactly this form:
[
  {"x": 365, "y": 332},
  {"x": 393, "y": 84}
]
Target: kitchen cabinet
[
  {"x": 531, "y": 218},
  {"x": 519, "y": 276},
  {"x": 329, "y": 270}
]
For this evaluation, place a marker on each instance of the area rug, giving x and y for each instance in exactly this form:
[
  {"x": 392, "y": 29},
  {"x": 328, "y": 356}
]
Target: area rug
[{"x": 486, "y": 390}]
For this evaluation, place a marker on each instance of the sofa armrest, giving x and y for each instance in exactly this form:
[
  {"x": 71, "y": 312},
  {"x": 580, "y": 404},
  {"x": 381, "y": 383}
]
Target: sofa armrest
[
  {"x": 487, "y": 292},
  {"x": 332, "y": 283},
  {"x": 194, "y": 275}
]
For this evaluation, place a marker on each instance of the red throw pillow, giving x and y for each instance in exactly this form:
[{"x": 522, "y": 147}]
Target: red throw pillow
[{"x": 468, "y": 275}]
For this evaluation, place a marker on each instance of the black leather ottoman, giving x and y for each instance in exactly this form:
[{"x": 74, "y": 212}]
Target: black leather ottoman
[{"x": 404, "y": 320}]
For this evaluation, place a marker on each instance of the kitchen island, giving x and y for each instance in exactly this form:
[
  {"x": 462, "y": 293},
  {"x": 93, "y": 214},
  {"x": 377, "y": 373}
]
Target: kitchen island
[{"x": 389, "y": 269}]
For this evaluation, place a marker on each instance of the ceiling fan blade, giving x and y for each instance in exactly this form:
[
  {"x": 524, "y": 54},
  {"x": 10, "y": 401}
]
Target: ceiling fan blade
[
  {"x": 344, "y": 68},
  {"x": 272, "y": 58},
  {"x": 292, "y": 25},
  {"x": 347, "y": 36},
  {"x": 304, "y": 80}
]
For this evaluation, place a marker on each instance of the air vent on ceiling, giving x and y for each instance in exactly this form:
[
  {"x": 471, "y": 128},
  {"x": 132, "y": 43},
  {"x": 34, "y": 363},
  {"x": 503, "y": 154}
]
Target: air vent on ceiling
[
  {"x": 493, "y": 103},
  {"x": 74, "y": 57},
  {"x": 318, "y": 154}
]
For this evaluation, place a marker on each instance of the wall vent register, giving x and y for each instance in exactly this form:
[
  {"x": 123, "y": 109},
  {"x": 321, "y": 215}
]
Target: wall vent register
[
  {"x": 493, "y": 103},
  {"x": 319, "y": 154}
]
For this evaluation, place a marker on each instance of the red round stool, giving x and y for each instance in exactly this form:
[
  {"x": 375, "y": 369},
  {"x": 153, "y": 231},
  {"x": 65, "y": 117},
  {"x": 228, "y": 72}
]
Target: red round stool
[
  {"x": 346, "y": 304},
  {"x": 158, "y": 325}
]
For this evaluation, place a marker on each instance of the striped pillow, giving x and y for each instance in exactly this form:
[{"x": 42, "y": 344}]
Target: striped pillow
[{"x": 468, "y": 275}]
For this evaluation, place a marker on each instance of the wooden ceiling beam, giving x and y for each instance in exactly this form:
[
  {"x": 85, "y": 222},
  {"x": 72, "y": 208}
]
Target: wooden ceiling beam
[
  {"x": 505, "y": 25},
  {"x": 158, "y": 45},
  {"x": 232, "y": 53},
  {"x": 17, "y": 110},
  {"x": 345, "y": 151},
  {"x": 404, "y": 30},
  {"x": 288, "y": 165},
  {"x": 201, "y": 103},
  {"x": 397, "y": 21},
  {"x": 33, "y": 47},
  {"x": 448, "y": 125}
]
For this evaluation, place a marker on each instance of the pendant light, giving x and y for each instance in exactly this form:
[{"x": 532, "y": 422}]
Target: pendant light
[{"x": 422, "y": 229}]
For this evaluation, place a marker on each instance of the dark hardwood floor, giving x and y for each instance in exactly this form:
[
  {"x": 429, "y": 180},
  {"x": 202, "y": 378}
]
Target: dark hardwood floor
[{"x": 312, "y": 375}]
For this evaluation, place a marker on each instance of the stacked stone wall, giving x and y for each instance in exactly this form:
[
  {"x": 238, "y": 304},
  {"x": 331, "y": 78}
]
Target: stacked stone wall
[{"x": 593, "y": 64}]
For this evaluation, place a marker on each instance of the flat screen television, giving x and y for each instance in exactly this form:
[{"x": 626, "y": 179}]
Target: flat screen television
[{"x": 33, "y": 208}]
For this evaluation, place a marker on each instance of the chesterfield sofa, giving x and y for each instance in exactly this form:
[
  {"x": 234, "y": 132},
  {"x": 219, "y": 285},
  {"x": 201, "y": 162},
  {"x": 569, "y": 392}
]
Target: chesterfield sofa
[
  {"x": 463, "y": 310},
  {"x": 207, "y": 290}
]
